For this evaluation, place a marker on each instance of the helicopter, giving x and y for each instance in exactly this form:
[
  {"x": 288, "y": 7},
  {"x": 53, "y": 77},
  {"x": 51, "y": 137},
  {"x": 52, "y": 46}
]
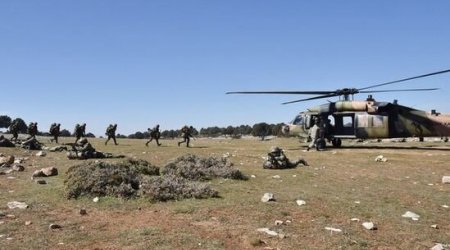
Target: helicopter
[{"x": 363, "y": 119}]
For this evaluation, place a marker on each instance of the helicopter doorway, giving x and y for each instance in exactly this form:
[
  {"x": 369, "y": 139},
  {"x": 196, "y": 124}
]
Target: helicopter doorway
[{"x": 344, "y": 125}]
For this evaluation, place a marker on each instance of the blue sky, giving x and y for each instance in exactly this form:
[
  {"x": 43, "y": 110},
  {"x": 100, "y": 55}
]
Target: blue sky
[{"x": 138, "y": 63}]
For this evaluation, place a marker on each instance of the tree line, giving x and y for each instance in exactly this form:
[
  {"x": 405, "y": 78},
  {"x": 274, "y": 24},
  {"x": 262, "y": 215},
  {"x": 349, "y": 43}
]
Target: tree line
[{"x": 261, "y": 129}]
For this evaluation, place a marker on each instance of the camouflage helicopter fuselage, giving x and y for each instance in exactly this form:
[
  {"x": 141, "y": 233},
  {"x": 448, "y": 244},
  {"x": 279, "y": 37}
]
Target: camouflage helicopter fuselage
[{"x": 371, "y": 119}]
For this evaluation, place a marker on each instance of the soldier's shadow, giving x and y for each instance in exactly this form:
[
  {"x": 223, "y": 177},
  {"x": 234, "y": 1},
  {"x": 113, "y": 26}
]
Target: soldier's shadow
[{"x": 199, "y": 147}]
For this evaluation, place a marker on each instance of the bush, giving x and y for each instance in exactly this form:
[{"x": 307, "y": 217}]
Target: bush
[
  {"x": 170, "y": 187},
  {"x": 195, "y": 168},
  {"x": 107, "y": 179}
]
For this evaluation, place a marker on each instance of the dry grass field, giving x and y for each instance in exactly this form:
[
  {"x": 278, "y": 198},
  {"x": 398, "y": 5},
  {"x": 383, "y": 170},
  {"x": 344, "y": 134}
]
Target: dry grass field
[{"x": 340, "y": 184}]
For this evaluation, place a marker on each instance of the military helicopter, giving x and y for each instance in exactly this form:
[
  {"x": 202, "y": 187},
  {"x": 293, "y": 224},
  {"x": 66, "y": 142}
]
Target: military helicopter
[{"x": 350, "y": 119}]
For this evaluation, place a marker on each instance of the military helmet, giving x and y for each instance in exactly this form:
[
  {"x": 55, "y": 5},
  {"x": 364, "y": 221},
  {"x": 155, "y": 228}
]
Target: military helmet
[{"x": 274, "y": 149}]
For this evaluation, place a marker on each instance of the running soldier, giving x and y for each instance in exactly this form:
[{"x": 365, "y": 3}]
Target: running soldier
[
  {"x": 55, "y": 131},
  {"x": 14, "y": 129},
  {"x": 111, "y": 133},
  {"x": 186, "y": 133},
  {"x": 154, "y": 134},
  {"x": 79, "y": 131},
  {"x": 32, "y": 130}
]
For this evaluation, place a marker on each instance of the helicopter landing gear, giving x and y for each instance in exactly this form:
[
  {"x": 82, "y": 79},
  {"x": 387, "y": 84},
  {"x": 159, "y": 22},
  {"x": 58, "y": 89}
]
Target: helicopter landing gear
[
  {"x": 321, "y": 144},
  {"x": 336, "y": 142}
]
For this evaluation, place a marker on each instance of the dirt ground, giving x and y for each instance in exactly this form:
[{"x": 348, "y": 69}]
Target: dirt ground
[{"x": 338, "y": 186}]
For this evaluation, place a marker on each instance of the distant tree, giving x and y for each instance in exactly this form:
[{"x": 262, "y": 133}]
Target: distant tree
[
  {"x": 90, "y": 135},
  {"x": 5, "y": 121},
  {"x": 261, "y": 130},
  {"x": 277, "y": 129},
  {"x": 65, "y": 133},
  {"x": 23, "y": 127},
  {"x": 230, "y": 130},
  {"x": 121, "y": 136},
  {"x": 244, "y": 130},
  {"x": 137, "y": 135}
]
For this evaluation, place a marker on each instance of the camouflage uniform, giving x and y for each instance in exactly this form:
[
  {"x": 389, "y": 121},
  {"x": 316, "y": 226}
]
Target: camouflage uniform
[
  {"x": 276, "y": 159},
  {"x": 84, "y": 150},
  {"x": 14, "y": 129},
  {"x": 186, "y": 133},
  {"x": 79, "y": 131},
  {"x": 154, "y": 134},
  {"x": 54, "y": 131},
  {"x": 31, "y": 144},
  {"x": 32, "y": 130},
  {"x": 5, "y": 142},
  {"x": 111, "y": 133},
  {"x": 314, "y": 134}
]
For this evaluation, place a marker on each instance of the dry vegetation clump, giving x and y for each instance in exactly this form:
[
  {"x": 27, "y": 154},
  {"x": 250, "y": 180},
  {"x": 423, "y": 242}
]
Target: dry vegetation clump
[
  {"x": 132, "y": 178},
  {"x": 107, "y": 179},
  {"x": 170, "y": 187},
  {"x": 196, "y": 168}
]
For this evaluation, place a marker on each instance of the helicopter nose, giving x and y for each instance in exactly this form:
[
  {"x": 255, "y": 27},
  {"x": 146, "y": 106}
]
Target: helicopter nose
[{"x": 285, "y": 130}]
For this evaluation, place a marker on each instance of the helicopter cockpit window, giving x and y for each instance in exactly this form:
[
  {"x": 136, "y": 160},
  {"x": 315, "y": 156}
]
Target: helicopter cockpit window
[{"x": 298, "y": 120}]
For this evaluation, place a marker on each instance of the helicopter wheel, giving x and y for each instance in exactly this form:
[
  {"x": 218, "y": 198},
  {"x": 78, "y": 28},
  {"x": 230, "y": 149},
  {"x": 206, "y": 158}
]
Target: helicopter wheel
[
  {"x": 336, "y": 142},
  {"x": 321, "y": 144}
]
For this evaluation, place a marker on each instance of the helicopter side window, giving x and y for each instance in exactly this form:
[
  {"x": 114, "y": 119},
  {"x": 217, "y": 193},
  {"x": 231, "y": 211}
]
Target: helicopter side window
[
  {"x": 377, "y": 121},
  {"x": 363, "y": 121},
  {"x": 347, "y": 121}
]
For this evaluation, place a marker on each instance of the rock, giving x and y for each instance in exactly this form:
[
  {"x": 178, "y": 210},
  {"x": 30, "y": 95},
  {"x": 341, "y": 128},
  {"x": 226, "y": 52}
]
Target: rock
[
  {"x": 51, "y": 171},
  {"x": 301, "y": 202},
  {"x": 45, "y": 172},
  {"x": 381, "y": 158},
  {"x": 337, "y": 230},
  {"x": 2, "y": 214},
  {"x": 276, "y": 177},
  {"x": 411, "y": 215},
  {"x": 369, "y": 226},
  {"x": 41, "y": 154},
  {"x": 83, "y": 211},
  {"x": 438, "y": 246},
  {"x": 445, "y": 179},
  {"x": 435, "y": 226},
  {"x": 18, "y": 168},
  {"x": 268, "y": 197},
  {"x": 96, "y": 199},
  {"x": 17, "y": 204},
  {"x": 6, "y": 160},
  {"x": 278, "y": 222},
  {"x": 54, "y": 226},
  {"x": 267, "y": 231},
  {"x": 444, "y": 206},
  {"x": 18, "y": 161},
  {"x": 27, "y": 223},
  {"x": 253, "y": 176},
  {"x": 281, "y": 236},
  {"x": 41, "y": 182},
  {"x": 354, "y": 219}
]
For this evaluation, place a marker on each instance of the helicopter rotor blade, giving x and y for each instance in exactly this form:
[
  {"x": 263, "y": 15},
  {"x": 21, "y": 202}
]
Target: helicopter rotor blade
[
  {"x": 283, "y": 92},
  {"x": 396, "y": 90},
  {"x": 406, "y": 79},
  {"x": 312, "y": 98}
]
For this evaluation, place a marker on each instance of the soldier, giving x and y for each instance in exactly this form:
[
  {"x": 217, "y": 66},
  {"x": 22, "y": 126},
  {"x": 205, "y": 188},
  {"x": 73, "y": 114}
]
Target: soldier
[
  {"x": 14, "y": 129},
  {"x": 79, "y": 131},
  {"x": 186, "y": 133},
  {"x": 276, "y": 159},
  {"x": 154, "y": 134},
  {"x": 4, "y": 142},
  {"x": 84, "y": 150},
  {"x": 314, "y": 133},
  {"x": 111, "y": 133},
  {"x": 32, "y": 130},
  {"x": 54, "y": 131}
]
